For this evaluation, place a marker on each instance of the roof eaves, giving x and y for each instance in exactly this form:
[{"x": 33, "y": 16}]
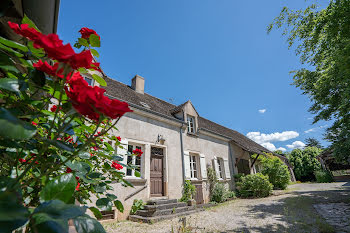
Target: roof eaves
[{"x": 149, "y": 110}]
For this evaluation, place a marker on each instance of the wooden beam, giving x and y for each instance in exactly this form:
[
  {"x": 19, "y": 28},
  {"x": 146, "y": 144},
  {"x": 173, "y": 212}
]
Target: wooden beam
[{"x": 251, "y": 166}]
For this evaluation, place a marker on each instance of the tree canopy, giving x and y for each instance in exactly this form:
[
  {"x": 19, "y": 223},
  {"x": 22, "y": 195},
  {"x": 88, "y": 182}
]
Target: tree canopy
[
  {"x": 322, "y": 39},
  {"x": 313, "y": 142}
]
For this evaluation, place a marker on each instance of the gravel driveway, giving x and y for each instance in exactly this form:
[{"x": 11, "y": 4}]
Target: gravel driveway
[{"x": 288, "y": 211}]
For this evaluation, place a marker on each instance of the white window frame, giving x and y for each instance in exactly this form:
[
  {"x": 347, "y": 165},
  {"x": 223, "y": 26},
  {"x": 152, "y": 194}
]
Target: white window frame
[
  {"x": 221, "y": 168},
  {"x": 194, "y": 163},
  {"x": 191, "y": 124},
  {"x": 133, "y": 160},
  {"x": 92, "y": 80}
]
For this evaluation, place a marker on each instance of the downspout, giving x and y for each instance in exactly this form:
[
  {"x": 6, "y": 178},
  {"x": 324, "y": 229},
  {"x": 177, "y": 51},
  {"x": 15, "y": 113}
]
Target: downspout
[{"x": 182, "y": 154}]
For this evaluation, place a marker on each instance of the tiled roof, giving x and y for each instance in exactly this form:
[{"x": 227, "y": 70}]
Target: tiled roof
[{"x": 126, "y": 93}]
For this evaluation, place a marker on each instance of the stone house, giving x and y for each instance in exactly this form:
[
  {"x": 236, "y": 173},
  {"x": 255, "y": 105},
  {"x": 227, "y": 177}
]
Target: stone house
[{"x": 178, "y": 145}]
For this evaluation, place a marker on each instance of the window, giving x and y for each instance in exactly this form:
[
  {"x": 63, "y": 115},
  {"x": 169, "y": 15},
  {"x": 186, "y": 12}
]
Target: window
[
  {"x": 190, "y": 124},
  {"x": 90, "y": 81},
  {"x": 221, "y": 168},
  {"x": 133, "y": 161},
  {"x": 193, "y": 166}
]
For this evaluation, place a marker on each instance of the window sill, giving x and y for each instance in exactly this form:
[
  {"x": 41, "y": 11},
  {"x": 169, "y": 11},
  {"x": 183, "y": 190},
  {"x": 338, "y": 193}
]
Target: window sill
[
  {"x": 134, "y": 180},
  {"x": 192, "y": 134}
]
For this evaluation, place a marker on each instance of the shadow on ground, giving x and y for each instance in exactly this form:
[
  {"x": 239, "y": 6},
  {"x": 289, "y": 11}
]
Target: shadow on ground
[{"x": 296, "y": 212}]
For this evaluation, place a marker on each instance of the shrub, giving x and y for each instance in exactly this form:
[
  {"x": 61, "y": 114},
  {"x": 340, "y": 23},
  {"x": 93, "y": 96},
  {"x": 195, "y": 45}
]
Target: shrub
[
  {"x": 255, "y": 185},
  {"x": 305, "y": 163},
  {"x": 219, "y": 193},
  {"x": 323, "y": 176},
  {"x": 238, "y": 177},
  {"x": 230, "y": 194},
  {"x": 212, "y": 179},
  {"x": 137, "y": 205},
  {"x": 188, "y": 192},
  {"x": 277, "y": 172}
]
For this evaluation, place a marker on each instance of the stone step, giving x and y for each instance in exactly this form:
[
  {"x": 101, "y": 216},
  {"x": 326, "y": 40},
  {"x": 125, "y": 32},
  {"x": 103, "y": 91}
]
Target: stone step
[
  {"x": 161, "y": 201},
  {"x": 147, "y": 213},
  {"x": 153, "y": 219},
  {"x": 164, "y": 206}
]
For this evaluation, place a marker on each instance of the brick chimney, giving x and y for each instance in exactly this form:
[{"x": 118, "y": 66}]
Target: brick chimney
[{"x": 138, "y": 84}]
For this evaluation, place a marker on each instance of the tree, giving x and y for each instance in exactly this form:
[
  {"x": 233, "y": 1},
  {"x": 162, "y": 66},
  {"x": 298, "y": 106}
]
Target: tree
[
  {"x": 323, "y": 44},
  {"x": 305, "y": 163},
  {"x": 313, "y": 142}
]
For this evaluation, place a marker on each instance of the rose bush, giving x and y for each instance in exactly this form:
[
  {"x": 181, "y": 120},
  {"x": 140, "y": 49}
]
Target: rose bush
[{"x": 55, "y": 145}]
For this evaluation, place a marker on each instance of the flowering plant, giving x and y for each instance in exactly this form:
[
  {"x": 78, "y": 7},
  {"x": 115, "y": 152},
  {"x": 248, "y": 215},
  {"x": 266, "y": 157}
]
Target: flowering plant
[{"x": 55, "y": 143}]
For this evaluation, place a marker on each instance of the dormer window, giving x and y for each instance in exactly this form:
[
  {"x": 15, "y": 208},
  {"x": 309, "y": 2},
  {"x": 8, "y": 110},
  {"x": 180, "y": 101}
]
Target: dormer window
[
  {"x": 90, "y": 81},
  {"x": 191, "y": 124}
]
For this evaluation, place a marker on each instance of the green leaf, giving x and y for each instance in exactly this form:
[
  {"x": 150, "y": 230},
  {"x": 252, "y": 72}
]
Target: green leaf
[
  {"x": 100, "y": 80},
  {"x": 12, "y": 213},
  {"x": 84, "y": 155},
  {"x": 83, "y": 42},
  {"x": 96, "y": 212},
  {"x": 30, "y": 23},
  {"x": 104, "y": 204},
  {"x": 117, "y": 158},
  {"x": 137, "y": 173},
  {"x": 86, "y": 224},
  {"x": 81, "y": 167},
  {"x": 100, "y": 188},
  {"x": 119, "y": 205},
  {"x": 13, "y": 44},
  {"x": 38, "y": 77},
  {"x": 94, "y": 40},
  {"x": 109, "y": 147},
  {"x": 3, "y": 47},
  {"x": 61, "y": 145},
  {"x": 53, "y": 216},
  {"x": 112, "y": 197},
  {"x": 94, "y": 175},
  {"x": 10, "y": 84},
  {"x": 6, "y": 63},
  {"x": 36, "y": 52},
  {"x": 94, "y": 52},
  {"x": 13, "y": 128},
  {"x": 61, "y": 188}
]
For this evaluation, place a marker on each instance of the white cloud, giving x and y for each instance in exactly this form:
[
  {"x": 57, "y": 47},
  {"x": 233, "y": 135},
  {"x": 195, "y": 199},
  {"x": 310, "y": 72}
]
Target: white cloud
[
  {"x": 310, "y": 130},
  {"x": 310, "y": 118},
  {"x": 315, "y": 129},
  {"x": 273, "y": 137},
  {"x": 282, "y": 149},
  {"x": 262, "y": 111},
  {"x": 269, "y": 146},
  {"x": 296, "y": 144}
]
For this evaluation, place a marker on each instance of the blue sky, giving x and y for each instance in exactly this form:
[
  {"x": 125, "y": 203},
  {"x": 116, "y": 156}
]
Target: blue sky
[{"x": 214, "y": 52}]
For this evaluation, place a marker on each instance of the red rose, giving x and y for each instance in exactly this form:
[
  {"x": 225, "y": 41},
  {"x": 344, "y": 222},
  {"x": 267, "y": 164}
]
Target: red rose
[
  {"x": 33, "y": 123},
  {"x": 48, "y": 69},
  {"x": 87, "y": 99},
  {"x": 86, "y": 32},
  {"x": 22, "y": 160},
  {"x": 53, "y": 108},
  {"x": 119, "y": 138},
  {"x": 117, "y": 165},
  {"x": 68, "y": 170},
  {"x": 54, "y": 47},
  {"x": 77, "y": 187},
  {"x": 137, "y": 152}
]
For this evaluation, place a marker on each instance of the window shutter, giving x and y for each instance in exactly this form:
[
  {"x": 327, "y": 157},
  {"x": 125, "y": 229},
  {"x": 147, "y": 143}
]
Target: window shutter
[
  {"x": 203, "y": 165},
  {"x": 123, "y": 152},
  {"x": 227, "y": 170},
  {"x": 187, "y": 165},
  {"x": 216, "y": 167}
]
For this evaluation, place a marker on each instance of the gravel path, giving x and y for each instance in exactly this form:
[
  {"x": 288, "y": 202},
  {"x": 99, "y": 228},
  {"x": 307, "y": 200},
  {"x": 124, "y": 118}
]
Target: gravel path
[{"x": 287, "y": 211}]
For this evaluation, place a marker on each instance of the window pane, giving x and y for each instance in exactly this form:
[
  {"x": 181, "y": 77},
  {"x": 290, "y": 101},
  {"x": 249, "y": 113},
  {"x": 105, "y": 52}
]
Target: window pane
[
  {"x": 130, "y": 148},
  {"x": 128, "y": 172},
  {"x": 89, "y": 81}
]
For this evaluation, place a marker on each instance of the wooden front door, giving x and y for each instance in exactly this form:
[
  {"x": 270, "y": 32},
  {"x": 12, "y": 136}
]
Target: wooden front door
[
  {"x": 199, "y": 194},
  {"x": 157, "y": 189}
]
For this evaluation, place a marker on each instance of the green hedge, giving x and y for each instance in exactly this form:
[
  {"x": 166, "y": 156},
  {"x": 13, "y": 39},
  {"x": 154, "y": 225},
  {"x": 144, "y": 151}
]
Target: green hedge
[{"x": 255, "y": 185}]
